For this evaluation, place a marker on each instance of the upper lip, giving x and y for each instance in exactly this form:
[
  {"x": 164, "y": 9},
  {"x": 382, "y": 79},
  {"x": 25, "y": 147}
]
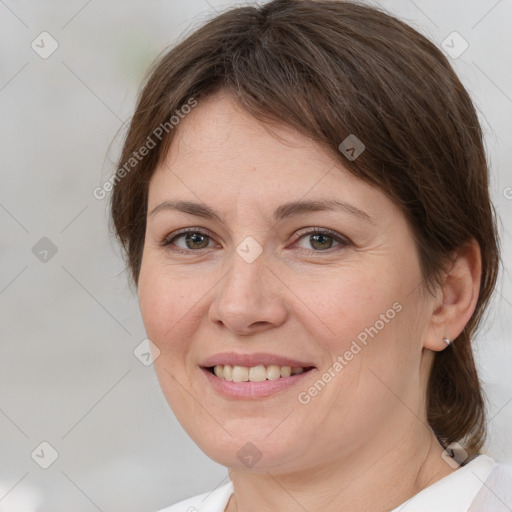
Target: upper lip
[{"x": 256, "y": 359}]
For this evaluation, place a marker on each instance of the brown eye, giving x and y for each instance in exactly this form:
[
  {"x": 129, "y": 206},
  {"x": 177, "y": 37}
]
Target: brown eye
[
  {"x": 196, "y": 240},
  {"x": 187, "y": 241},
  {"x": 321, "y": 240}
]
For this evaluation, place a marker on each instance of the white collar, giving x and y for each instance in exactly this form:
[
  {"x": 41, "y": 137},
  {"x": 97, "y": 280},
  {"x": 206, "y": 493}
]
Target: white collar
[{"x": 453, "y": 493}]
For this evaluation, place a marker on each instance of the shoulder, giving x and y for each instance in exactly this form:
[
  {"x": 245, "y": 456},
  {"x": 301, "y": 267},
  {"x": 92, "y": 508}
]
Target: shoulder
[
  {"x": 496, "y": 493},
  {"x": 501, "y": 477},
  {"x": 212, "y": 501}
]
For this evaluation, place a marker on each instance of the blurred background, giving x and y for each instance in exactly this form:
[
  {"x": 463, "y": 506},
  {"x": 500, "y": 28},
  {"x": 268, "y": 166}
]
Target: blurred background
[{"x": 83, "y": 423}]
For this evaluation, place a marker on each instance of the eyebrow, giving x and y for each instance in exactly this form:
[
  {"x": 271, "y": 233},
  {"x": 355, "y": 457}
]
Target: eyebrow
[{"x": 283, "y": 211}]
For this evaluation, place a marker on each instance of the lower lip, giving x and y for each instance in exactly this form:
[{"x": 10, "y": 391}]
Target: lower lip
[{"x": 253, "y": 389}]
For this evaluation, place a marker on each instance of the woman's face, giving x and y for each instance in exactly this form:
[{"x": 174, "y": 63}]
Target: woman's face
[{"x": 255, "y": 286}]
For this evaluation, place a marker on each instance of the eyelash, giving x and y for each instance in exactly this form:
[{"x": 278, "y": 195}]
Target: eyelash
[{"x": 167, "y": 241}]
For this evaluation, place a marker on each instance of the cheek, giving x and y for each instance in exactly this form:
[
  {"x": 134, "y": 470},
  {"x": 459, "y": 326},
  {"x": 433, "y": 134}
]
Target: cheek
[
  {"x": 365, "y": 315},
  {"x": 167, "y": 304},
  {"x": 341, "y": 302}
]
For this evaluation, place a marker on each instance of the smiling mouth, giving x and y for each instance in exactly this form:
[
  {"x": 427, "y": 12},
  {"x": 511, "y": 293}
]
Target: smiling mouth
[{"x": 259, "y": 373}]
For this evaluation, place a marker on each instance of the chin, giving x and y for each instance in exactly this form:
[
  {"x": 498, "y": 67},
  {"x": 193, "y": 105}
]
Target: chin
[{"x": 252, "y": 450}]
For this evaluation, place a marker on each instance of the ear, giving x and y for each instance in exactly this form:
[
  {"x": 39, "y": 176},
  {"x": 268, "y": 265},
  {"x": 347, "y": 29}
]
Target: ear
[{"x": 456, "y": 300}]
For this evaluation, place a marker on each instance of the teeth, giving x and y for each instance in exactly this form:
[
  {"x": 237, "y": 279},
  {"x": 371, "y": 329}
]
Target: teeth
[
  {"x": 286, "y": 371},
  {"x": 273, "y": 372},
  {"x": 240, "y": 373},
  {"x": 257, "y": 373},
  {"x": 254, "y": 373},
  {"x": 228, "y": 372}
]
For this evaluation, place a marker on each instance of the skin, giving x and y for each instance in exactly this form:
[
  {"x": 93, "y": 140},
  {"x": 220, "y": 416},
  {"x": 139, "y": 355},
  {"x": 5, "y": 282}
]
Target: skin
[{"x": 363, "y": 442}]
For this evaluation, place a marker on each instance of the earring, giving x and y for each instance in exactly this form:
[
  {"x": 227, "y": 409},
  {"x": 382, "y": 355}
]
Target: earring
[{"x": 446, "y": 340}]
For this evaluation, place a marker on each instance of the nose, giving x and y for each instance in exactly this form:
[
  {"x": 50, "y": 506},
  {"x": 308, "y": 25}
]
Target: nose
[{"x": 249, "y": 298}]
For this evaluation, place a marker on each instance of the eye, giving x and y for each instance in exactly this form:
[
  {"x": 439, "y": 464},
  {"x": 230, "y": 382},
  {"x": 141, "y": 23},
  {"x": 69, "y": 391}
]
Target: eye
[
  {"x": 322, "y": 240},
  {"x": 191, "y": 240},
  {"x": 187, "y": 240}
]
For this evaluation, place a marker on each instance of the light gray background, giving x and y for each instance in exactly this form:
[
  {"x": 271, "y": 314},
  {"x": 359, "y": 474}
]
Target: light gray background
[{"x": 69, "y": 326}]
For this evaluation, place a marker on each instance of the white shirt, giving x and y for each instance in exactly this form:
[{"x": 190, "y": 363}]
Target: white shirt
[{"x": 482, "y": 485}]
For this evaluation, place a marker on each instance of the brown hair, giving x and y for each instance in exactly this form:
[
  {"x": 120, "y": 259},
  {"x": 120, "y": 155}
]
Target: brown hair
[{"x": 330, "y": 69}]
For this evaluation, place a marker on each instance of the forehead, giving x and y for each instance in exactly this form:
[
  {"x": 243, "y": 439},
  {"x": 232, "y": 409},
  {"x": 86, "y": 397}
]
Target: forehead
[
  {"x": 218, "y": 132},
  {"x": 221, "y": 153}
]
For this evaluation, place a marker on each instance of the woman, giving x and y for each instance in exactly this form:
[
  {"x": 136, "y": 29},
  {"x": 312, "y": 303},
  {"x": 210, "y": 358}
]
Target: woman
[{"x": 303, "y": 200}]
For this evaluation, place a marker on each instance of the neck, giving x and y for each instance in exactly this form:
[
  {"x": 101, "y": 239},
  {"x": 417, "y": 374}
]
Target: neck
[{"x": 377, "y": 478}]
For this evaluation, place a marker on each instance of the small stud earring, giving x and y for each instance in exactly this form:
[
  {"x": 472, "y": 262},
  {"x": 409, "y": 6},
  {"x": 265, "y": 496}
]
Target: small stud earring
[{"x": 446, "y": 340}]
